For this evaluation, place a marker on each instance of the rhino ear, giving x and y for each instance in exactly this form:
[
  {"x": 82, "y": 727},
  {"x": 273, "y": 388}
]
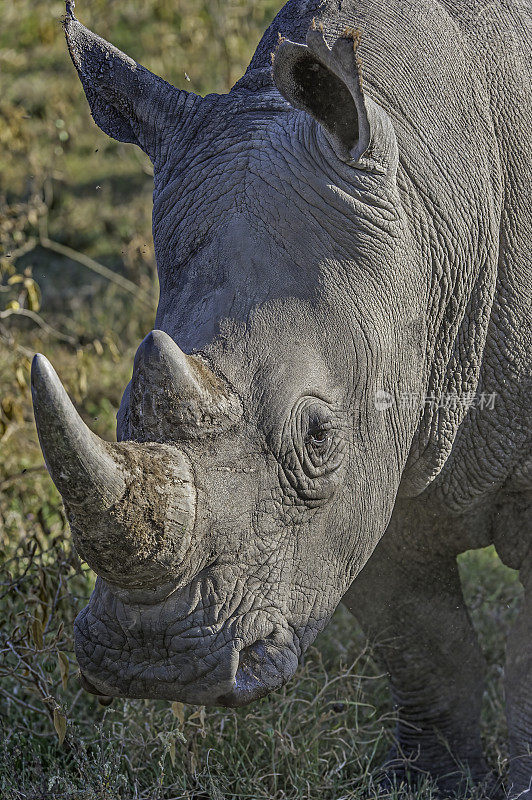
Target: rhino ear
[
  {"x": 327, "y": 84},
  {"x": 127, "y": 101}
]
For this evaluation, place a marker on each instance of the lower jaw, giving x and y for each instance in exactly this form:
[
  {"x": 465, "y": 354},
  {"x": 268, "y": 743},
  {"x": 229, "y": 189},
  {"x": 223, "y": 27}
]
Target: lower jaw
[
  {"x": 155, "y": 690},
  {"x": 254, "y": 679},
  {"x": 235, "y": 697}
]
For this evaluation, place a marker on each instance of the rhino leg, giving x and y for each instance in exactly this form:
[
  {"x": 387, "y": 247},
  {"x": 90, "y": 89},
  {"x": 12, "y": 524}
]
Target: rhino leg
[
  {"x": 512, "y": 541},
  {"x": 409, "y": 601},
  {"x": 519, "y": 697}
]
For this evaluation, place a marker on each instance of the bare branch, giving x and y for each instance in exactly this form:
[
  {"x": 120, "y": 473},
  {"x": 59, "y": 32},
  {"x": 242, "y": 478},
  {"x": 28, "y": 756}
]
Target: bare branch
[
  {"x": 29, "y": 245},
  {"x": 25, "y": 312},
  {"x": 95, "y": 266}
]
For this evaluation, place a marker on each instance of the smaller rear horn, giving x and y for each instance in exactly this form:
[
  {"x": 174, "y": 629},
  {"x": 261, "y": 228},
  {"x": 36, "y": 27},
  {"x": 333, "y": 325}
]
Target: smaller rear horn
[{"x": 174, "y": 396}]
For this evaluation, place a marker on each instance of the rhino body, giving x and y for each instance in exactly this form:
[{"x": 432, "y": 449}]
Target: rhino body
[{"x": 343, "y": 247}]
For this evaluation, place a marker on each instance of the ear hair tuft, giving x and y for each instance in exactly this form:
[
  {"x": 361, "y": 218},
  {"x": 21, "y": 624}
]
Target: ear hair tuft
[
  {"x": 360, "y": 74},
  {"x": 317, "y": 26},
  {"x": 280, "y": 40},
  {"x": 354, "y": 34}
]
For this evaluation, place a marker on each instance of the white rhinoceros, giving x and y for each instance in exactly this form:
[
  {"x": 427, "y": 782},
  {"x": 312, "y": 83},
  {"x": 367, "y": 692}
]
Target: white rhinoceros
[{"x": 346, "y": 262}]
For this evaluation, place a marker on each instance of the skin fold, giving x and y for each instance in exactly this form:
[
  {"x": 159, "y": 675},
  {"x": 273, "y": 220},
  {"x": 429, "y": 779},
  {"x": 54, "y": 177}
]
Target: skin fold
[{"x": 335, "y": 399}]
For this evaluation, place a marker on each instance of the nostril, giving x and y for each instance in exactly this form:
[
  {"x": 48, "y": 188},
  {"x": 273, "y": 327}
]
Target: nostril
[
  {"x": 256, "y": 652},
  {"x": 251, "y": 654}
]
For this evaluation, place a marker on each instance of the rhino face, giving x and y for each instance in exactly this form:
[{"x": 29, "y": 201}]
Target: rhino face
[{"x": 253, "y": 478}]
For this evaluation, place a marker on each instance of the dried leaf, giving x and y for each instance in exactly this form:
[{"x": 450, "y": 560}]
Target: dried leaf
[
  {"x": 37, "y": 633},
  {"x": 12, "y": 409},
  {"x": 60, "y": 725},
  {"x": 20, "y": 377},
  {"x": 178, "y": 710},
  {"x": 34, "y": 294},
  {"x": 62, "y": 661},
  {"x": 200, "y": 714},
  {"x": 171, "y": 751},
  {"x": 83, "y": 384}
]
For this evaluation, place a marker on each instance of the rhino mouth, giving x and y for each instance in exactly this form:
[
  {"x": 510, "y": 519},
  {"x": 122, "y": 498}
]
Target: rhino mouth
[
  {"x": 158, "y": 653},
  {"x": 262, "y": 668}
]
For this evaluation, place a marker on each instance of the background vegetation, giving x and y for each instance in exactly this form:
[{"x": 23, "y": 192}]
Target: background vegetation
[{"x": 77, "y": 281}]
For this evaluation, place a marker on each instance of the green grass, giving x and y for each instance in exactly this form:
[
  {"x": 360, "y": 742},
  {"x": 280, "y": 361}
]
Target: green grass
[{"x": 323, "y": 736}]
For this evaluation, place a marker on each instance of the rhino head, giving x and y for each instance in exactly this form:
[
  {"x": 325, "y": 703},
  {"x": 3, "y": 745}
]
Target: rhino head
[{"x": 254, "y": 472}]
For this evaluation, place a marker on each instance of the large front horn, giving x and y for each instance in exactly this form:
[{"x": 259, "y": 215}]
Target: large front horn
[
  {"x": 131, "y": 506},
  {"x": 174, "y": 396},
  {"x": 83, "y": 467}
]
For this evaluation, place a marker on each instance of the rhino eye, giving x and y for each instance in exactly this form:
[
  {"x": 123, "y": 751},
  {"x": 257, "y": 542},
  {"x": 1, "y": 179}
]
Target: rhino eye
[
  {"x": 313, "y": 450},
  {"x": 318, "y": 442},
  {"x": 321, "y": 440},
  {"x": 317, "y": 423},
  {"x": 318, "y": 436}
]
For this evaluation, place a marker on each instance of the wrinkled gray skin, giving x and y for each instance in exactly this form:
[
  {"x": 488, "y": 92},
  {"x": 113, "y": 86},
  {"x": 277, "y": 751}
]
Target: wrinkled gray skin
[{"x": 318, "y": 242}]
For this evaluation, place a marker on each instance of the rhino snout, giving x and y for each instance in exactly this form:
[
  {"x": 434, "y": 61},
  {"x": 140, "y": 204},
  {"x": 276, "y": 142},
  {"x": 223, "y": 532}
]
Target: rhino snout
[{"x": 173, "y": 650}]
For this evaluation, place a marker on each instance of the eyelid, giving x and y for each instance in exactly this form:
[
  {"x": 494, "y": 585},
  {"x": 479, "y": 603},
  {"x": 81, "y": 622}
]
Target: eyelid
[
  {"x": 318, "y": 433},
  {"x": 325, "y": 424},
  {"x": 368, "y": 165}
]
